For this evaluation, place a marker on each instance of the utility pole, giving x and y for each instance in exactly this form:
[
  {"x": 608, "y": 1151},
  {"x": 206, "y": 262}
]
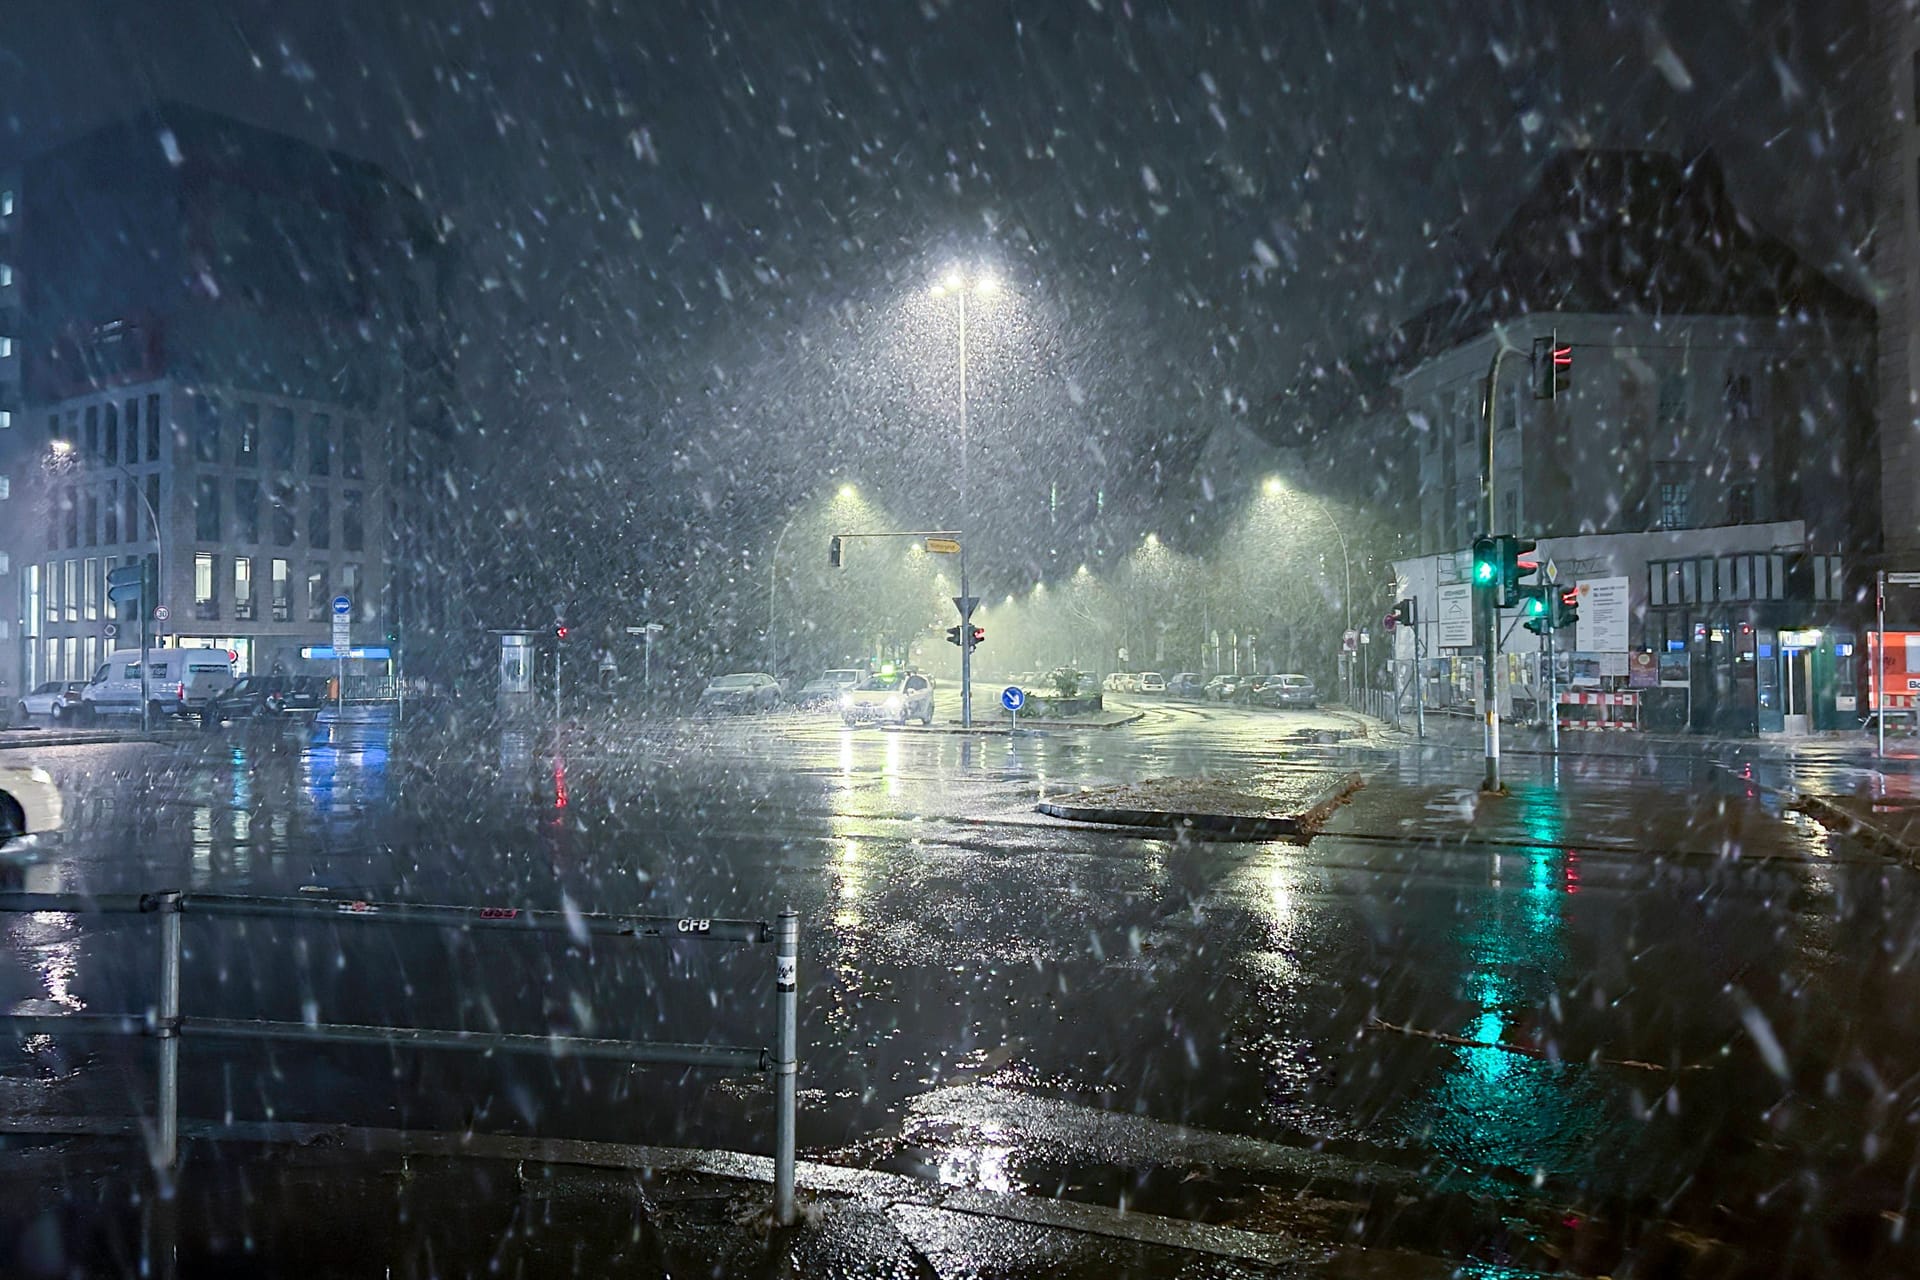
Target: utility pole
[{"x": 1488, "y": 614}]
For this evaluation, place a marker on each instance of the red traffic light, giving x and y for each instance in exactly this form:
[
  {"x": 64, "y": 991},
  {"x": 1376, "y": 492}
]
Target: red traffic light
[
  {"x": 1563, "y": 356},
  {"x": 560, "y": 632}
]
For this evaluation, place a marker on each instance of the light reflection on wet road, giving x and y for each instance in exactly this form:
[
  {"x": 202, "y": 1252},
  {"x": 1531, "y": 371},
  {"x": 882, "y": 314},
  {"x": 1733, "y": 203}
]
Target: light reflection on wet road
[{"x": 967, "y": 961}]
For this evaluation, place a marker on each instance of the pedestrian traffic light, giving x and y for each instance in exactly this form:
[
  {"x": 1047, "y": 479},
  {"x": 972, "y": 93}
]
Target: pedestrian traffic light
[
  {"x": 953, "y": 635},
  {"x": 1552, "y": 367},
  {"x": 833, "y": 555},
  {"x": 1486, "y": 564},
  {"x": 1513, "y": 569},
  {"x": 979, "y": 634},
  {"x": 1404, "y": 614}
]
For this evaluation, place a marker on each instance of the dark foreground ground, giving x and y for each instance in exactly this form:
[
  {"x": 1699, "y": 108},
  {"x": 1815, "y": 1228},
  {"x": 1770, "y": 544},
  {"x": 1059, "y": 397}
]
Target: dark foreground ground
[{"x": 1636, "y": 1018}]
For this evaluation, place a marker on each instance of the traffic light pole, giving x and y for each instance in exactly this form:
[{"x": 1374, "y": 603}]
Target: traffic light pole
[
  {"x": 1489, "y": 613},
  {"x": 966, "y": 645},
  {"x": 1553, "y": 695}
]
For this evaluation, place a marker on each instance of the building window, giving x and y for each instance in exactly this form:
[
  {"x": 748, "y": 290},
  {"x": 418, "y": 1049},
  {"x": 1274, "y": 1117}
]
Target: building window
[
  {"x": 92, "y": 530},
  {"x": 246, "y": 451},
  {"x": 110, "y": 442},
  {"x": 1739, "y": 397},
  {"x": 350, "y": 588},
  {"x": 350, "y": 463},
  {"x": 133, "y": 528},
  {"x": 1674, "y": 501},
  {"x": 205, "y": 605},
  {"x": 6, "y": 274},
  {"x": 206, "y": 430},
  {"x": 111, "y": 513},
  {"x": 131, "y": 417},
  {"x": 153, "y": 507},
  {"x": 1673, "y": 397},
  {"x": 319, "y": 600},
  {"x": 6, "y": 419},
  {"x": 6, "y": 488},
  {"x": 71, "y": 595},
  {"x": 282, "y": 591},
  {"x": 153, "y": 428},
  {"x": 93, "y": 431},
  {"x": 90, "y": 588},
  {"x": 283, "y": 440},
  {"x": 6, "y": 204},
  {"x": 243, "y": 588},
  {"x": 73, "y": 516},
  {"x": 319, "y": 518},
  {"x": 206, "y": 509},
  {"x": 246, "y": 510},
  {"x": 320, "y": 455},
  {"x": 352, "y": 527},
  {"x": 6, "y": 347},
  {"x": 284, "y": 516}
]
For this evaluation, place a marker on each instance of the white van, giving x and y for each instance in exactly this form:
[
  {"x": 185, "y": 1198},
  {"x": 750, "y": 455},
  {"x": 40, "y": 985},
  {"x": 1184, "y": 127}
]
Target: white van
[{"x": 179, "y": 681}]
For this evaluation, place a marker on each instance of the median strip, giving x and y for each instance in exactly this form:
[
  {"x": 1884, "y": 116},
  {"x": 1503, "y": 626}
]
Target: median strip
[{"x": 1293, "y": 808}]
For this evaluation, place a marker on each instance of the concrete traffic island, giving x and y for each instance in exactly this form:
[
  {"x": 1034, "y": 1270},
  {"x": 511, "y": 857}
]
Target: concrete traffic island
[{"x": 1293, "y": 806}]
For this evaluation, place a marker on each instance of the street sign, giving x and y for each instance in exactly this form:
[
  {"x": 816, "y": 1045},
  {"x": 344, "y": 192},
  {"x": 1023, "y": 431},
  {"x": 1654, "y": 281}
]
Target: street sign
[
  {"x": 1552, "y": 571},
  {"x": 342, "y": 632},
  {"x": 160, "y": 613},
  {"x": 966, "y": 605},
  {"x": 110, "y": 630},
  {"x": 1350, "y": 641},
  {"x": 1013, "y": 697},
  {"x": 1903, "y": 579},
  {"x": 943, "y": 546},
  {"x": 1456, "y": 616},
  {"x": 342, "y": 604}
]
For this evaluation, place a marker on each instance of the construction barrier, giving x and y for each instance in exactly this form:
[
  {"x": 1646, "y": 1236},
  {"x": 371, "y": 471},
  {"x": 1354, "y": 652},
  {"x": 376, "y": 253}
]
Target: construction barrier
[{"x": 1591, "y": 709}]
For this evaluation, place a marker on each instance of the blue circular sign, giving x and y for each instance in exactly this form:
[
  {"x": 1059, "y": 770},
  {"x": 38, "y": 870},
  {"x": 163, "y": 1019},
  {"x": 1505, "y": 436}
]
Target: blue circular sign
[
  {"x": 342, "y": 605},
  {"x": 1013, "y": 697}
]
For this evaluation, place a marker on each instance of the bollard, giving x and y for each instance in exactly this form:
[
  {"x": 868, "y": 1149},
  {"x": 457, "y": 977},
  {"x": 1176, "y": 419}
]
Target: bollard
[
  {"x": 786, "y": 1064},
  {"x": 166, "y": 1026}
]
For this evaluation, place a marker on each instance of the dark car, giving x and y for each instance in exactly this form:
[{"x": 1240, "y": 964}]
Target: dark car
[
  {"x": 1291, "y": 690},
  {"x": 267, "y": 698},
  {"x": 1187, "y": 684},
  {"x": 1224, "y": 688}
]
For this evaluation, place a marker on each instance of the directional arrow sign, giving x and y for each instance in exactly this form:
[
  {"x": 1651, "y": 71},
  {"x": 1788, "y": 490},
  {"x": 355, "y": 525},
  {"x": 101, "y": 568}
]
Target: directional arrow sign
[
  {"x": 1903, "y": 579},
  {"x": 943, "y": 546},
  {"x": 966, "y": 606}
]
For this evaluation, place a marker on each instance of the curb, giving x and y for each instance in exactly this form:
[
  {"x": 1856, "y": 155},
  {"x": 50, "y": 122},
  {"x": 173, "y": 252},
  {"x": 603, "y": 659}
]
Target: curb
[
  {"x": 1835, "y": 818},
  {"x": 1001, "y": 730},
  {"x": 1303, "y": 823},
  {"x": 50, "y": 738}
]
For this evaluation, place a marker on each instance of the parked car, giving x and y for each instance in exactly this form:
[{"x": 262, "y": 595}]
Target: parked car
[
  {"x": 1224, "y": 688},
  {"x": 1187, "y": 684},
  {"x": 739, "y": 693},
  {"x": 1286, "y": 690},
  {"x": 179, "y": 682},
  {"x": 29, "y": 804},
  {"x": 889, "y": 697},
  {"x": 1152, "y": 682},
  {"x": 1115, "y": 682},
  {"x": 276, "y": 697},
  {"x": 56, "y": 700},
  {"x": 825, "y": 690}
]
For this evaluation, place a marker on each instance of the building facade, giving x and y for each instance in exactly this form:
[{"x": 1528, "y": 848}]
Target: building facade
[
  {"x": 232, "y": 364},
  {"x": 1891, "y": 118}
]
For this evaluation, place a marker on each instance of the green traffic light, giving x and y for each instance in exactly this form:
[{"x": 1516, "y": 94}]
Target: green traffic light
[
  {"x": 1483, "y": 571},
  {"x": 1536, "y": 605}
]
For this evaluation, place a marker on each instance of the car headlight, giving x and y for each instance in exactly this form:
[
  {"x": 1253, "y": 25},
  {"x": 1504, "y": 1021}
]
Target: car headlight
[
  {"x": 895, "y": 702},
  {"x": 40, "y": 775},
  {"x": 846, "y": 702}
]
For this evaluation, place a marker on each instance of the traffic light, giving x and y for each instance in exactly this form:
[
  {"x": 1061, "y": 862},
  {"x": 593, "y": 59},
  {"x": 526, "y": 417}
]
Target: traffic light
[
  {"x": 1536, "y": 607},
  {"x": 1566, "y": 607},
  {"x": 833, "y": 555},
  {"x": 1404, "y": 614},
  {"x": 953, "y": 635},
  {"x": 979, "y": 634},
  {"x": 1512, "y": 568},
  {"x": 1486, "y": 564},
  {"x": 1552, "y": 367},
  {"x": 560, "y": 631}
]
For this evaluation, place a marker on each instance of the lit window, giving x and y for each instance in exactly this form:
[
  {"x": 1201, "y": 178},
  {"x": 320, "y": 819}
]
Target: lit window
[
  {"x": 6, "y": 274},
  {"x": 6, "y": 347},
  {"x": 6, "y": 488},
  {"x": 6, "y": 419},
  {"x": 6, "y": 204}
]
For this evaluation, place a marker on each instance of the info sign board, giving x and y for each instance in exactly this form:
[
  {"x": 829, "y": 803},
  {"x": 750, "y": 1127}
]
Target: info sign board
[
  {"x": 1603, "y": 616},
  {"x": 1456, "y": 616}
]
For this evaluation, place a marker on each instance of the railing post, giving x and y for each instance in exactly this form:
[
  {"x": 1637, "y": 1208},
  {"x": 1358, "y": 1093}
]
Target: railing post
[
  {"x": 166, "y": 1026},
  {"x": 786, "y": 1061}
]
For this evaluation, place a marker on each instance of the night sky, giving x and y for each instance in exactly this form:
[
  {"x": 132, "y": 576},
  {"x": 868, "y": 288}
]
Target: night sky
[{"x": 697, "y": 236}]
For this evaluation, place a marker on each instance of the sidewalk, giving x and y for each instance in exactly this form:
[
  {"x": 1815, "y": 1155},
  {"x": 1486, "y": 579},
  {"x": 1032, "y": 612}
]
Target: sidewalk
[
  {"x": 1467, "y": 733},
  {"x": 370, "y": 1202}
]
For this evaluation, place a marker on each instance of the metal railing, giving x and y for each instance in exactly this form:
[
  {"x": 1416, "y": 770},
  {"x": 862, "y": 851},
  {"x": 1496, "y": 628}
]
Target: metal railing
[{"x": 167, "y": 1024}]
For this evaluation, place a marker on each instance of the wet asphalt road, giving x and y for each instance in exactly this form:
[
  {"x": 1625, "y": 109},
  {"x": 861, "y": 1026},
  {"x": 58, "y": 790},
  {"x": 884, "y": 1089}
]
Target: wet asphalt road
[{"x": 1705, "y": 1005}]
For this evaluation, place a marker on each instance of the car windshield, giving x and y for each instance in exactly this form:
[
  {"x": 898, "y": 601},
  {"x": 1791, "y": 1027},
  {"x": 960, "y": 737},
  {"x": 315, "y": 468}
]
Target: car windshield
[{"x": 882, "y": 680}]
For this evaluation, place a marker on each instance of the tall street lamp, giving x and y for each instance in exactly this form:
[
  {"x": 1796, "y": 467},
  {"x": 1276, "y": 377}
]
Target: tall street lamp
[
  {"x": 62, "y": 457},
  {"x": 959, "y": 287},
  {"x": 847, "y": 494}
]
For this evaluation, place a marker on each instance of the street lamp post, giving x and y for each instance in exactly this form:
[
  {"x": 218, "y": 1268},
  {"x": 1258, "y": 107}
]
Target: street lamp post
[
  {"x": 1274, "y": 488},
  {"x": 63, "y": 456},
  {"x": 959, "y": 286}
]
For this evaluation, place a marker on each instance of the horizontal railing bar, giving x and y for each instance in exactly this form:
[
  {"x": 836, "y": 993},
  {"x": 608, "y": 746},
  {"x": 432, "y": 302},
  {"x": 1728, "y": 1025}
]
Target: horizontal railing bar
[
  {"x": 691, "y": 1055},
  {"x": 445, "y": 915}
]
